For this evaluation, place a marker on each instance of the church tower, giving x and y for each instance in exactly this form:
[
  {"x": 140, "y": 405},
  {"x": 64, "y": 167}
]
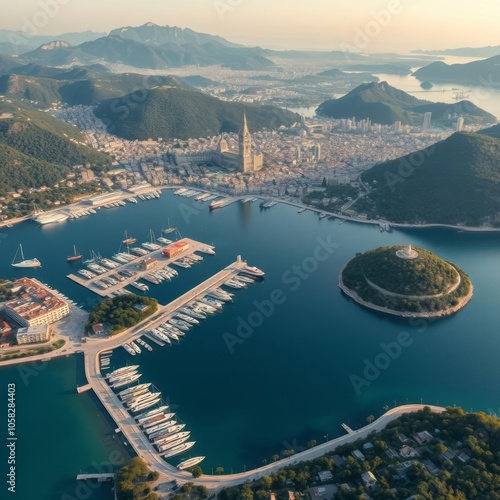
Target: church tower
[{"x": 245, "y": 144}]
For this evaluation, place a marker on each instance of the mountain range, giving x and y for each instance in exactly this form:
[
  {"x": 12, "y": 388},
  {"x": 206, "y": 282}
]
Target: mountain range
[
  {"x": 485, "y": 72},
  {"x": 153, "y": 47},
  {"x": 456, "y": 181},
  {"x": 489, "y": 51},
  {"x": 18, "y": 42},
  {"x": 384, "y": 104}
]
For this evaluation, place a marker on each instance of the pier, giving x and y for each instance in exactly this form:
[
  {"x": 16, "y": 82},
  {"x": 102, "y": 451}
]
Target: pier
[
  {"x": 100, "y": 477},
  {"x": 135, "y": 268},
  {"x": 347, "y": 429},
  {"x": 83, "y": 388}
]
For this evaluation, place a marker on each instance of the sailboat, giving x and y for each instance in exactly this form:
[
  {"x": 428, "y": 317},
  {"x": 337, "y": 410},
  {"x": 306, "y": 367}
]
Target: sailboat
[
  {"x": 25, "y": 262},
  {"x": 75, "y": 256},
  {"x": 169, "y": 229},
  {"x": 128, "y": 241}
]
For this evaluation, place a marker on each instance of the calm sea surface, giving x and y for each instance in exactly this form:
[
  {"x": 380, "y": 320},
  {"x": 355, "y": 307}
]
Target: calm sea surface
[{"x": 290, "y": 379}]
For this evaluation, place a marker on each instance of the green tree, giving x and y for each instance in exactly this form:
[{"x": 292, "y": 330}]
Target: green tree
[
  {"x": 219, "y": 470},
  {"x": 312, "y": 443},
  {"x": 196, "y": 471},
  {"x": 275, "y": 457}
]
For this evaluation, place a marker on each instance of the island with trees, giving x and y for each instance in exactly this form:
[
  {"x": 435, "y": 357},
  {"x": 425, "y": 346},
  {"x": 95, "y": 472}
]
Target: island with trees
[
  {"x": 406, "y": 281},
  {"x": 123, "y": 312}
]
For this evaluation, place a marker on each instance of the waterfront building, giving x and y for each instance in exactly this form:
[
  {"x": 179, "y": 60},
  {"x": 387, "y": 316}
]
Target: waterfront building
[
  {"x": 33, "y": 334},
  {"x": 175, "y": 248},
  {"x": 104, "y": 198},
  {"x": 36, "y": 304},
  {"x": 147, "y": 264}
]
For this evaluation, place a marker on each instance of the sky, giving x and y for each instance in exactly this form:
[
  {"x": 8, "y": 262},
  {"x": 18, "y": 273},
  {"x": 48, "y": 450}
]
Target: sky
[{"x": 367, "y": 25}]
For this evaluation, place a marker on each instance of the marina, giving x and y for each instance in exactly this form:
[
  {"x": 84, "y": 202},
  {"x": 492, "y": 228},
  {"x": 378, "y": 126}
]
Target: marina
[{"x": 113, "y": 277}]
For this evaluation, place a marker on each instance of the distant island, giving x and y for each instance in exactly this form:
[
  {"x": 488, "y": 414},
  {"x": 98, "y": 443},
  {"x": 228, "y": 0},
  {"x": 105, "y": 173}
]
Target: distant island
[
  {"x": 455, "y": 182},
  {"x": 485, "y": 72},
  {"x": 384, "y": 104},
  {"x": 426, "y": 85},
  {"x": 406, "y": 281},
  {"x": 489, "y": 51}
]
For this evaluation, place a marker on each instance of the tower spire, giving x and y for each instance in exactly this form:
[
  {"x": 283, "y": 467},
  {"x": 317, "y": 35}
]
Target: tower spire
[{"x": 245, "y": 124}]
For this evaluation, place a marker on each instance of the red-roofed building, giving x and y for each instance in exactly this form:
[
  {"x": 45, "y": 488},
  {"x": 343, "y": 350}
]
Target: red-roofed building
[{"x": 176, "y": 248}]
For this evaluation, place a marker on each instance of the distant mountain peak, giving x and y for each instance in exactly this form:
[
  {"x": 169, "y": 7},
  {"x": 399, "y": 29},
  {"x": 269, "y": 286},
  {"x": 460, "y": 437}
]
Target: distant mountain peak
[{"x": 56, "y": 44}]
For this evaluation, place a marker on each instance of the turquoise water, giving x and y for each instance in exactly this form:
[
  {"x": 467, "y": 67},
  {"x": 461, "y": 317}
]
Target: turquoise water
[{"x": 290, "y": 380}]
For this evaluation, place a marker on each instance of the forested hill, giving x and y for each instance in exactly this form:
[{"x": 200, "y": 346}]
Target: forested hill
[
  {"x": 385, "y": 104},
  {"x": 173, "y": 112},
  {"x": 456, "y": 181},
  {"x": 37, "y": 149}
]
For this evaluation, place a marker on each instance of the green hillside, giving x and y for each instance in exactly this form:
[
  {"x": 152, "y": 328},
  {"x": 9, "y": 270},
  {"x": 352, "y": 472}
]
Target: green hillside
[
  {"x": 43, "y": 85},
  {"x": 384, "y": 104},
  {"x": 172, "y": 112},
  {"x": 456, "y": 181},
  {"x": 37, "y": 149}
]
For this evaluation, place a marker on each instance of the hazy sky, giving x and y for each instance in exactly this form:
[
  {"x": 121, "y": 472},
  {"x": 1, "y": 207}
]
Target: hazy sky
[{"x": 321, "y": 24}]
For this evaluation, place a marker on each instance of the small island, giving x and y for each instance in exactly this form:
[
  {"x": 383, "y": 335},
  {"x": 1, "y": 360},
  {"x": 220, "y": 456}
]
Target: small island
[{"x": 406, "y": 281}]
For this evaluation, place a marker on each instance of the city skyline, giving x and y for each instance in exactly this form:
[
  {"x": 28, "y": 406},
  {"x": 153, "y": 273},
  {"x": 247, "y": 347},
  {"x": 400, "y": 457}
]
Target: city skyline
[{"x": 373, "y": 26}]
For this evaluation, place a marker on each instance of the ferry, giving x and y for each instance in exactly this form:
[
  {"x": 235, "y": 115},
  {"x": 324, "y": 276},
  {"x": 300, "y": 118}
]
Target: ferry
[
  {"x": 129, "y": 349},
  {"x": 179, "y": 449},
  {"x": 190, "y": 463},
  {"x": 56, "y": 217},
  {"x": 217, "y": 204},
  {"x": 253, "y": 271},
  {"x": 25, "y": 262}
]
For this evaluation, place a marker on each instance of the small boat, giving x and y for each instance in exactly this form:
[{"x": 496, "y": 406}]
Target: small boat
[
  {"x": 75, "y": 256},
  {"x": 25, "y": 262},
  {"x": 190, "y": 463},
  {"x": 169, "y": 229},
  {"x": 128, "y": 241}
]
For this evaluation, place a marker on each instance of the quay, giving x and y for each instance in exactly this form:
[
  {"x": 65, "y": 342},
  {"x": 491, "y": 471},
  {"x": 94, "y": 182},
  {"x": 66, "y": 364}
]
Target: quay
[
  {"x": 100, "y": 477},
  {"x": 83, "y": 388},
  {"x": 134, "y": 267}
]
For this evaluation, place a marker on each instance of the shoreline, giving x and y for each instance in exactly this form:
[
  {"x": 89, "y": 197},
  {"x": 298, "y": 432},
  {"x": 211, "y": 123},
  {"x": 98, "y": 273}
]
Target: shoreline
[
  {"x": 437, "y": 314},
  {"x": 297, "y": 204}
]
